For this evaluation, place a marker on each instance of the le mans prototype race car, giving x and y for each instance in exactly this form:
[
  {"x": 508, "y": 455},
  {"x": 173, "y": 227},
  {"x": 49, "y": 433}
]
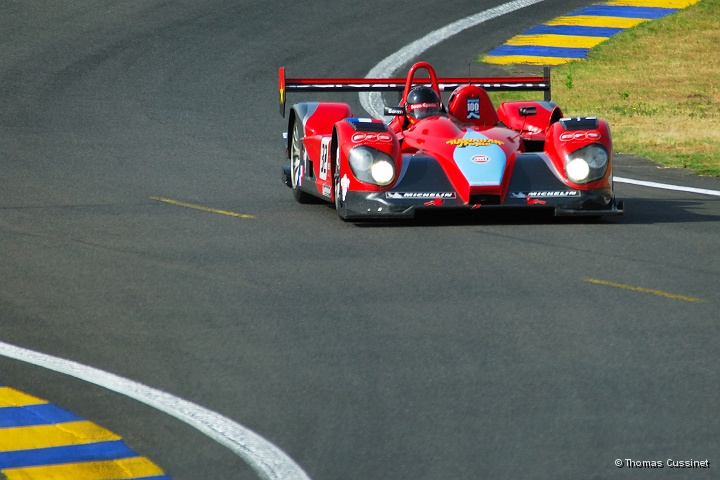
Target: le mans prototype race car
[{"x": 465, "y": 155}]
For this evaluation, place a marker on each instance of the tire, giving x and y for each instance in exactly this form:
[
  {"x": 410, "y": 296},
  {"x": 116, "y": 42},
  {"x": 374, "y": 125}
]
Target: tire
[
  {"x": 297, "y": 152},
  {"x": 340, "y": 205}
]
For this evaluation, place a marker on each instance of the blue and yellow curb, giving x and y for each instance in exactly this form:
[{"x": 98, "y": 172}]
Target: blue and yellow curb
[
  {"x": 571, "y": 36},
  {"x": 39, "y": 440}
]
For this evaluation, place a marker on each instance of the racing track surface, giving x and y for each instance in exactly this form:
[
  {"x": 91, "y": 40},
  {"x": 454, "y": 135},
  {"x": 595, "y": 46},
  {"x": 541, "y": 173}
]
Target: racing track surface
[{"x": 481, "y": 348}]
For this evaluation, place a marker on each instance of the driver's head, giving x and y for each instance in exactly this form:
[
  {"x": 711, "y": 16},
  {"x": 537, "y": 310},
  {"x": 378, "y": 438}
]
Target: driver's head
[{"x": 422, "y": 102}]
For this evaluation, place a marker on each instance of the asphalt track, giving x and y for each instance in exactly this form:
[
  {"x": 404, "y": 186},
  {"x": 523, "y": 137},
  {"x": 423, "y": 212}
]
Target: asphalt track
[{"x": 473, "y": 348}]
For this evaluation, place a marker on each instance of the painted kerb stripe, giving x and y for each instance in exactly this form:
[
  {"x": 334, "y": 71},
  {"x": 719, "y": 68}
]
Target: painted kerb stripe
[
  {"x": 571, "y": 36},
  {"x": 39, "y": 440},
  {"x": 127, "y": 468}
]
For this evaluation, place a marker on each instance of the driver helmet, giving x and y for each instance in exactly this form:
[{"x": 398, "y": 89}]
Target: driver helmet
[{"x": 422, "y": 102}]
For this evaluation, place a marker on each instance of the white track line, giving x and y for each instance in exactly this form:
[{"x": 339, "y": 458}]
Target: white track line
[
  {"x": 268, "y": 461},
  {"x": 372, "y": 102},
  {"x": 665, "y": 186}
]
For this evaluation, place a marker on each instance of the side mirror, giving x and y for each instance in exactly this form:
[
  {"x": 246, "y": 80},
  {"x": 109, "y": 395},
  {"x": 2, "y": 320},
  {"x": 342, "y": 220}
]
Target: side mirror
[
  {"x": 527, "y": 111},
  {"x": 394, "y": 111}
]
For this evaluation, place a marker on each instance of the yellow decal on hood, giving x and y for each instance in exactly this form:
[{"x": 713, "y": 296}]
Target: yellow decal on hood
[{"x": 474, "y": 142}]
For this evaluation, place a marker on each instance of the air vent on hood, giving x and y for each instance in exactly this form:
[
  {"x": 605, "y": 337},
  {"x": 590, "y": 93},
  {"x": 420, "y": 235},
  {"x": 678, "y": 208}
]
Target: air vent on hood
[
  {"x": 579, "y": 123},
  {"x": 367, "y": 125}
]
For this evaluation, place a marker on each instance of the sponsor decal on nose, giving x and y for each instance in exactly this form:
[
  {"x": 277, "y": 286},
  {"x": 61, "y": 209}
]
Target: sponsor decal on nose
[{"x": 480, "y": 159}]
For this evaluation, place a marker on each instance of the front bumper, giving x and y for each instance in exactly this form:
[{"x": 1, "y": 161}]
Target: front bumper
[{"x": 379, "y": 205}]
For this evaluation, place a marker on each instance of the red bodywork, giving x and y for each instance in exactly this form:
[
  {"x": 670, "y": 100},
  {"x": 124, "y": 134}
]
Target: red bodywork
[{"x": 479, "y": 149}]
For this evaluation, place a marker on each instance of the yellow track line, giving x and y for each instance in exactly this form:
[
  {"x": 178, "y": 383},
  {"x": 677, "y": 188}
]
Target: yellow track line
[
  {"x": 200, "y": 207},
  {"x": 644, "y": 290}
]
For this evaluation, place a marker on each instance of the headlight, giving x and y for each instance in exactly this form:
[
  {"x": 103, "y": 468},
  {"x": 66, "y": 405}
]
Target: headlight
[
  {"x": 372, "y": 166},
  {"x": 578, "y": 170},
  {"x": 361, "y": 159},
  {"x": 382, "y": 172},
  {"x": 587, "y": 164}
]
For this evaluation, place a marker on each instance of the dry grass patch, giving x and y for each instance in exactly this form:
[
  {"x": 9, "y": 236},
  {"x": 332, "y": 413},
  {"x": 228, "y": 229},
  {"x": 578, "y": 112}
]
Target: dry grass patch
[{"x": 658, "y": 85}]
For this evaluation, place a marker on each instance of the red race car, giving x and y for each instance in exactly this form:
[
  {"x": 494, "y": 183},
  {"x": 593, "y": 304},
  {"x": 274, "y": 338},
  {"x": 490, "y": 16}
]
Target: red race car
[{"x": 465, "y": 155}]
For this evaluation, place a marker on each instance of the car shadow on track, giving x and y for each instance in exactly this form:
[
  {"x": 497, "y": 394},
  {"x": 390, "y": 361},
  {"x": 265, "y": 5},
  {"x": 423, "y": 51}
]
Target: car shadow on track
[
  {"x": 425, "y": 218},
  {"x": 638, "y": 211},
  {"x": 646, "y": 211}
]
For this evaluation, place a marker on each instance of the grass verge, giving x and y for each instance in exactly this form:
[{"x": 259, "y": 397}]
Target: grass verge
[{"x": 658, "y": 85}]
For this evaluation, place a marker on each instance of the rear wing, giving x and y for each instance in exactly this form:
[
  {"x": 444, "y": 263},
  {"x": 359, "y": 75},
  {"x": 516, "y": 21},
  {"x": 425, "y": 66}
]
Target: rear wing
[{"x": 491, "y": 84}]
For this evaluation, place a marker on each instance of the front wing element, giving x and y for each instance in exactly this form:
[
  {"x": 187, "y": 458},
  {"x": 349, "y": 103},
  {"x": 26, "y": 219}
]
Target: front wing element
[{"x": 379, "y": 205}]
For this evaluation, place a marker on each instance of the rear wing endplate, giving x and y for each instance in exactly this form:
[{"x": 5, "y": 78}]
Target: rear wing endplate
[{"x": 491, "y": 84}]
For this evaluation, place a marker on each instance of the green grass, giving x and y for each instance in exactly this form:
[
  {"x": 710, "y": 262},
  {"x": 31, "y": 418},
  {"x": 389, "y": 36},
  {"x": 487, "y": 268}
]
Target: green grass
[{"x": 658, "y": 85}]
